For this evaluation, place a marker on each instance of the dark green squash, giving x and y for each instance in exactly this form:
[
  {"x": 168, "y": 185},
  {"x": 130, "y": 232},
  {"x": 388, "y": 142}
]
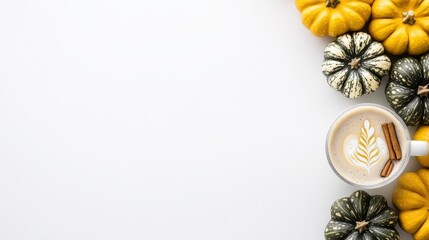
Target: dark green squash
[
  {"x": 354, "y": 64},
  {"x": 362, "y": 216},
  {"x": 408, "y": 88}
]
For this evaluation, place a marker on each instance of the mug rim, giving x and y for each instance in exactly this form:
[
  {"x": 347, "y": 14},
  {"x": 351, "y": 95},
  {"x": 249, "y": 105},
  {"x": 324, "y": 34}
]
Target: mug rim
[{"x": 407, "y": 142}]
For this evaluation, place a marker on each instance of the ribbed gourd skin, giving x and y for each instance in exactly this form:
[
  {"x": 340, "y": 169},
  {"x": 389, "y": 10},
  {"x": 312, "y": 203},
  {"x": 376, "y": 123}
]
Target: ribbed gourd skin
[
  {"x": 411, "y": 198},
  {"x": 334, "y": 17},
  {"x": 354, "y": 80},
  {"x": 406, "y": 76},
  {"x": 347, "y": 213}
]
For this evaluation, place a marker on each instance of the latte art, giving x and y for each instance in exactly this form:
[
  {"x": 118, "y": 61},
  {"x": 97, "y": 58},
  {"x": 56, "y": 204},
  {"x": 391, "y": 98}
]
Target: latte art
[{"x": 366, "y": 150}]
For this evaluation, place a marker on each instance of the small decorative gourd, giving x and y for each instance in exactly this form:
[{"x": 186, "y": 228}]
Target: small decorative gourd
[
  {"x": 411, "y": 198},
  {"x": 402, "y": 26},
  {"x": 354, "y": 64},
  {"x": 362, "y": 216},
  {"x": 407, "y": 90},
  {"x": 334, "y": 17}
]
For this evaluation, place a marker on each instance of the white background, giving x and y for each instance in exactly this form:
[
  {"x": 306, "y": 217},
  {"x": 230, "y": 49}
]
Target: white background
[{"x": 165, "y": 120}]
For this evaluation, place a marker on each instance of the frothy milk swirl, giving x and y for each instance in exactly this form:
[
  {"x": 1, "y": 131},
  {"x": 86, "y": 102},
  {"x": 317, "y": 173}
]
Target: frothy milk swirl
[{"x": 366, "y": 150}]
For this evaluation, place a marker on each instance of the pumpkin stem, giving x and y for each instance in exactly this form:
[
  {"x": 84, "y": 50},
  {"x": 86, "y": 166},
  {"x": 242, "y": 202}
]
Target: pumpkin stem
[
  {"x": 423, "y": 90},
  {"x": 408, "y": 17},
  {"x": 361, "y": 226},
  {"x": 354, "y": 63},
  {"x": 332, "y": 3}
]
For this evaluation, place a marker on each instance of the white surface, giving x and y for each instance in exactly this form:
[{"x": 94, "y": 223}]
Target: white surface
[{"x": 166, "y": 120}]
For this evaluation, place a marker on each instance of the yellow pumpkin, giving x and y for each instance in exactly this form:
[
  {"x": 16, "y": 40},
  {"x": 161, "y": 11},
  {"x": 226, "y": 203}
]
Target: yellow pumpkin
[
  {"x": 401, "y": 25},
  {"x": 334, "y": 17},
  {"x": 411, "y": 198},
  {"x": 422, "y": 134}
]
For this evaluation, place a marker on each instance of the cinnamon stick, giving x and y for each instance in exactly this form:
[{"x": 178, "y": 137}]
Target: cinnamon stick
[
  {"x": 395, "y": 142},
  {"x": 388, "y": 141},
  {"x": 387, "y": 169}
]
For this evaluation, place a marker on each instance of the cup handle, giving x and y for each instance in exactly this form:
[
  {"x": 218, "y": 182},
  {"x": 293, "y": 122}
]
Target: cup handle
[{"x": 419, "y": 148}]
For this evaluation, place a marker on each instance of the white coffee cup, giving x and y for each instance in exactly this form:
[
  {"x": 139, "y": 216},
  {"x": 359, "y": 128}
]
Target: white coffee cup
[{"x": 358, "y": 150}]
